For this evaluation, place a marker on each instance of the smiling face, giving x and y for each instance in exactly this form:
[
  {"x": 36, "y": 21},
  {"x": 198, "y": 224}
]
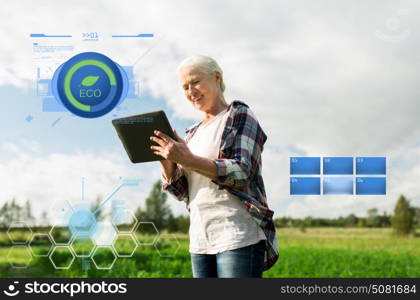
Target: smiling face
[{"x": 201, "y": 88}]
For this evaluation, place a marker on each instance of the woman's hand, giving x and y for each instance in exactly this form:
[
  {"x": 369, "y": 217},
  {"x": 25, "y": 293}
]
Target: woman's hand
[{"x": 176, "y": 151}]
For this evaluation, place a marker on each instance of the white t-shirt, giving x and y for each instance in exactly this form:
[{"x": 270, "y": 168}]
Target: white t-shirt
[{"x": 218, "y": 219}]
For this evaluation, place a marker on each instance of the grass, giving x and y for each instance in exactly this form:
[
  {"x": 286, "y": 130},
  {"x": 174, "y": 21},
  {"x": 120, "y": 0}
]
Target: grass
[{"x": 318, "y": 252}]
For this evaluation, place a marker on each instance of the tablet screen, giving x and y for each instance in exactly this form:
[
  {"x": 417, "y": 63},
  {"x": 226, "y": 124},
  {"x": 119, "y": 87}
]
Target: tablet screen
[{"x": 135, "y": 132}]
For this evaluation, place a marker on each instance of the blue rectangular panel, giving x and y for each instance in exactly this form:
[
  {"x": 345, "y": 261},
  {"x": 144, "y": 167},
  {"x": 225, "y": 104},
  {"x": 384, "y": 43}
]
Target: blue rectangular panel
[
  {"x": 129, "y": 71},
  {"x": 305, "y": 186},
  {"x": 50, "y": 104},
  {"x": 370, "y": 165},
  {"x": 371, "y": 186},
  {"x": 43, "y": 87},
  {"x": 337, "y": 185},
  {"x": 305, "y": 165},
  {"x": 338, "y": 165}
]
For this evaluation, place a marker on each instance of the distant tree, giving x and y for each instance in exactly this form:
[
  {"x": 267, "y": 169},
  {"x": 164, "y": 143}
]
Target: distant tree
[
  {"x": 372, "y": 217},
  {"x": 183, "y": 223},
  {"x": 4, "y": 215},
  {"x": 178, "y": 224},
  {"x": 140, "y": 214},
  {"x": 361, "y": 222},
  {"x": 44, "y": 220},
  {"x": 282, "y": 221},
  {"x": 11, "y": 211},
  {"x": 26, "y": 214},
  {"x": 302, "y": 227},
  {"x": 304, "y": 223},
  {"x": 157, "y": 210},
  {"x": 384, "y": 220},
  {"x": 341, "y": 221},
  {"x": 417, "y": 215},
  {"x": 351, "y": 220},
  {"x": 15, "y": 211},
  {"x": 172, "y": 224},
  {"x": 403, "y": 218},
  {"x": 322, "y": 222}
]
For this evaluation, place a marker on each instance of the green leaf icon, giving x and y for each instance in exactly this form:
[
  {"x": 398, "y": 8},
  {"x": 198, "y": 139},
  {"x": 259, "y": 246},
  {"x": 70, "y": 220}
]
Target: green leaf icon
[{"x": 90, "y": 80}]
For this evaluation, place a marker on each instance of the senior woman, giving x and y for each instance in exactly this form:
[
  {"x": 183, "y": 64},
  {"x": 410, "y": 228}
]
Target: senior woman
[{"x": 216, "y": 170}]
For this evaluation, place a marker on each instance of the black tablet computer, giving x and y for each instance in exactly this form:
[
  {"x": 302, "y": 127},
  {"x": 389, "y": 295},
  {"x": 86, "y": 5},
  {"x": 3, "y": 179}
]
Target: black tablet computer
[{"x": 135, "y": 132}]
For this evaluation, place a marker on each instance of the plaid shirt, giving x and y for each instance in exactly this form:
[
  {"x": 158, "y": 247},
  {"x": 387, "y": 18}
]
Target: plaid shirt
[{"x": 238, "y": 171}]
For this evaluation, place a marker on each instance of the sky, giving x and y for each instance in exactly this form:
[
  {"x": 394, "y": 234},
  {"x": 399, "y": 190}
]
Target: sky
[{"x": 324, "y": 78}]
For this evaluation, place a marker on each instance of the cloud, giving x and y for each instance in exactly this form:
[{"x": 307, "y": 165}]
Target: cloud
[{"x": 318, "y": 75}]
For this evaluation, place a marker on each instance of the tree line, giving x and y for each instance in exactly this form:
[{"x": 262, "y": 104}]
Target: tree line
[{"x": 404, "y": 219}]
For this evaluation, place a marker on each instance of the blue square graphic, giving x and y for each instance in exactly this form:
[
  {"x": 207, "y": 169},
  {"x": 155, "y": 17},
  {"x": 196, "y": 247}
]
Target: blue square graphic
[
  {"x": 370, "y": 165},
  {"x": 371, "y": 186},
  {"x": 338, "y": 165},
  {"x": 337, "y": 185},
  {"x": 50, "y": 104},
  {"x": 305, "y": 165},
  {"x": 305, "y": 186}
]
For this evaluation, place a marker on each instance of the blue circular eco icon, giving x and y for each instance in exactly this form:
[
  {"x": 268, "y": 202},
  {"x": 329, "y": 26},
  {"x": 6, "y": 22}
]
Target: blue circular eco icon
[{"x": 90, "y": 84}]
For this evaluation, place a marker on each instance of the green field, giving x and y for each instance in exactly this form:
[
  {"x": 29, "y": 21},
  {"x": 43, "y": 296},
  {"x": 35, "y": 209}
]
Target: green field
[{"x": 318, "y": 252}]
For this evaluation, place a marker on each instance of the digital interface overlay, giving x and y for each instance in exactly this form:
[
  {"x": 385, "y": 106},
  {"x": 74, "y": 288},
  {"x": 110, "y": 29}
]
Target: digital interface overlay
[{"x": 340, "y": 176}]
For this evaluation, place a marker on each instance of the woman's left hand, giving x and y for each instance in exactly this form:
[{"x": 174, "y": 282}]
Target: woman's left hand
[{"x": 176, "y": 151}]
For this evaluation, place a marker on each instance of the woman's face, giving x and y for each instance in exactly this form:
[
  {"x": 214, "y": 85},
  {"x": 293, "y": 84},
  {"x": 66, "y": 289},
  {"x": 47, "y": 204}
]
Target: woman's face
[{"x": 202, "y": 89}]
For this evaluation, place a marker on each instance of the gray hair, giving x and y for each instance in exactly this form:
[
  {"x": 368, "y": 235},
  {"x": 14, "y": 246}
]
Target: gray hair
[{"x": 208, "y": 64}]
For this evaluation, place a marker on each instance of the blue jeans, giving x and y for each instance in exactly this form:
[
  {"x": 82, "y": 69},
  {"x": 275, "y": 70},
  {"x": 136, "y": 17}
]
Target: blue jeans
[{"x": 242, "y": 262}]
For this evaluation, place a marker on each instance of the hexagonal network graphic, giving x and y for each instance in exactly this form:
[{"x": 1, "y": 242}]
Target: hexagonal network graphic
[
  {"x": 61, "y": 235},
  {"x": 41, "y": 244},
  {"x": 82, "y": 246},
  {"x": 146, "y": 233},
  {"x": 125, "y": 245},
  {"x": 124, "y": 221},
  {"x": 104, "y": 257},
  {"x": 62, "y": 257},
  {"x": 77, "y": 233},
  {"x": 82, "y": 223},
  {"x": 22, "y": 253},
  {"x": 60, "y": 212},
  {"x": 19, "y": 232},
  {"x": 167, "y": 245},
  {"x": 104, "y": 234}
]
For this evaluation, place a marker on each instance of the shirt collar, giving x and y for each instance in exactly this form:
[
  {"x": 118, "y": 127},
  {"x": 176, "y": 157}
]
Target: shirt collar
[{"x": 233, "y": 105}]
